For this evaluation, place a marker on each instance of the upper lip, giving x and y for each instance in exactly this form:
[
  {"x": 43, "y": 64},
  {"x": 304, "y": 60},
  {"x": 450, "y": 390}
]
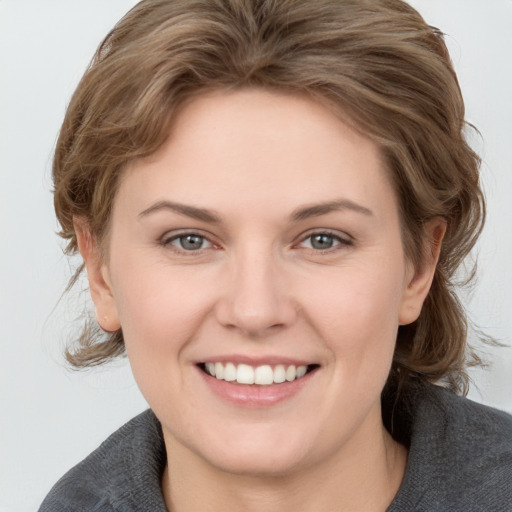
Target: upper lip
[{"x": 257, "y": 361}]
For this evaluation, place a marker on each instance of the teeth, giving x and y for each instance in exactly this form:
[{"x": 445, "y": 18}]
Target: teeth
[
  {"x": 219, "y": 371},
  {"x": 279, "y": 374},
  {"x": 244, "y": 374},
  {"x": 230, "y": 372},
  {"x": 301, "y": 371},
  {"x": 210, "y": 368},
  {"x": 264, "y": 375},
  {"x": 291, "y": 373}
]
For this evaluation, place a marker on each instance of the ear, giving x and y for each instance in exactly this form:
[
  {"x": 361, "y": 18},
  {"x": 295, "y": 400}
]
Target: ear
[
  {"x": 99, "y": 278},
  {"x": 419, "y": 280}
]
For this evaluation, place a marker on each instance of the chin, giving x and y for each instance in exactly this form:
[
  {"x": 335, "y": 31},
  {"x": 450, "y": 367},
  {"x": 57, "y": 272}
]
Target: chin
[
  {"x": 259, "y": 463},
  {"x": 256, "y": 452}
]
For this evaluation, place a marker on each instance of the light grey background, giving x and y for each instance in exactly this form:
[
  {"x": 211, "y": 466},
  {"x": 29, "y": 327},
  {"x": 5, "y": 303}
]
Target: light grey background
[{"x": 51, "y": 418}]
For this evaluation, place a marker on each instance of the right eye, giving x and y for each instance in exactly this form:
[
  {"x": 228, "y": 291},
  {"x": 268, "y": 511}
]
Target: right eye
[{"x": 189, "y": 242}]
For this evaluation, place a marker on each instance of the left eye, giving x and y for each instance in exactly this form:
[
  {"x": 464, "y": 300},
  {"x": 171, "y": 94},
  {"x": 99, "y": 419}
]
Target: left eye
[
  {"x": 322, "y": 241},
  {"x": 190, "y": 242}
]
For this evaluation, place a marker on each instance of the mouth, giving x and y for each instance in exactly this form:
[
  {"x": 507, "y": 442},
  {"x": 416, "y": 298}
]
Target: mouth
[{"x": 262, "y": 375}]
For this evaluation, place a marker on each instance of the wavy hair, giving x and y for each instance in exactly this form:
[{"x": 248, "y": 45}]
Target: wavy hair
[{"x": 377, "y": 61}]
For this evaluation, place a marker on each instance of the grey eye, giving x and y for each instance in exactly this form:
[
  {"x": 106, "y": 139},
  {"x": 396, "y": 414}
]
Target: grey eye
[
  {"x": 190, "y": 242},
  {"x": 322, "y": 241}
]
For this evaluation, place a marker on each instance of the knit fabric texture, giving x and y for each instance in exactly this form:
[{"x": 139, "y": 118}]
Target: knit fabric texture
[{"x": 460, "y": 460}]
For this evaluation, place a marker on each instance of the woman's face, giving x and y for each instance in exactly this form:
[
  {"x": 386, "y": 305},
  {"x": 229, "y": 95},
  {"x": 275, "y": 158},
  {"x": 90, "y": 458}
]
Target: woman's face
[{"x": 261, "y": 241}]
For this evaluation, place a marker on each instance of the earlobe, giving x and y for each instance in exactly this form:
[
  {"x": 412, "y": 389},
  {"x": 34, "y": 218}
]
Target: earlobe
[
  {"x": 419, "y": 280},
  {"x": 98, "y": 276}
]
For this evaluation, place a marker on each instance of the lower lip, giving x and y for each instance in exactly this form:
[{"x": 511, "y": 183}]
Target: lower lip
[{"x": 255, "y": 396}]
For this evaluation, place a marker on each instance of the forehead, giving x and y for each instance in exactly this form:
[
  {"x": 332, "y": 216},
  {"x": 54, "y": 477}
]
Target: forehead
[{"x": 255, "y": 146}]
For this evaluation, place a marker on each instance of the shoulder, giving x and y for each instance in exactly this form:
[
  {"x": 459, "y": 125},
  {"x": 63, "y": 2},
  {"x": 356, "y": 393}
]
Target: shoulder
[
  {"x": 123, "y": 472},
  {"x": 460, "y": 456},
  {"x": 472, "y": 434}
]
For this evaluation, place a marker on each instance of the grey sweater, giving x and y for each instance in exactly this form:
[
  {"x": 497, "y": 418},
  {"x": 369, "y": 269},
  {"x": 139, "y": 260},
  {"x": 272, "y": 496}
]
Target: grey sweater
[{"x": 460, "y": 460}]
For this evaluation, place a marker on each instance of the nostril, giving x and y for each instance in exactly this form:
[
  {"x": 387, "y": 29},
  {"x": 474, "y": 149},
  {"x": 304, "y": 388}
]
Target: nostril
[{"x": 257, "y": 307}]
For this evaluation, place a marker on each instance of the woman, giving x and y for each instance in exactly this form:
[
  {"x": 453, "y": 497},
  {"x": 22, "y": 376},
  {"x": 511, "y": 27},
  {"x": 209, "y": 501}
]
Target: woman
[{"x": 271, "y": 200}]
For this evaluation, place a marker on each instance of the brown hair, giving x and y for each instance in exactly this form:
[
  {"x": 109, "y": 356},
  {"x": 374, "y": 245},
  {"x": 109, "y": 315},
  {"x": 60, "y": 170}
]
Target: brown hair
[{"x": 376, "y": 60}]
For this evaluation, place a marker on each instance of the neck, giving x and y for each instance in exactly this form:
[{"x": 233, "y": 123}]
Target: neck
[{"x": 364, "y": 476}]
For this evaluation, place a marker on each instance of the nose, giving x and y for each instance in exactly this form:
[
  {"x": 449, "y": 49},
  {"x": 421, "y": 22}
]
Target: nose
[{"x": 256, "y": 300}]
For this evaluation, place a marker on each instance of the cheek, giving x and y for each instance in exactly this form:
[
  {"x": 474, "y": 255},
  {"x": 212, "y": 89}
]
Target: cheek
[
  {"x": 160, "y": 317},
  {"x": 358, "y": 316},
  {"x": 158, "y": 309}
]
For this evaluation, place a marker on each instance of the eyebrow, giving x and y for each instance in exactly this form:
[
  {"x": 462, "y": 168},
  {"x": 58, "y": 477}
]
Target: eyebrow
[
  {"x": 316, "y": 210},
  {"x": 299, "y": 214},
  {"x": 190, "y": 211}
]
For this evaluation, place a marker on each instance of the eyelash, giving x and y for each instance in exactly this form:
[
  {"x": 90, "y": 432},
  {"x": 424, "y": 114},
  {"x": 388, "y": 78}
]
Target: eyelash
[
  {"x": 167, "y": 241},
  {"x": 339, "y": 242},
  {"x": 346, "y": 241}
]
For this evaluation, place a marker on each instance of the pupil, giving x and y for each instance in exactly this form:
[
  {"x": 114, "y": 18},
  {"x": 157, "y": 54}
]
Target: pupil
[
  {"x": 322, "y": 241},
  {"x": 191, "y": 242}
]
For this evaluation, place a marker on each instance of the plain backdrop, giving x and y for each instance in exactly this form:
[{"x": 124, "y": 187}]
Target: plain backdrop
[{"x": 52, "y": 417}]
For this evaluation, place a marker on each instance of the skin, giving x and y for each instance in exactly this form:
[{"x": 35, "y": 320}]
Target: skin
[{"x": 258, "y": 287}]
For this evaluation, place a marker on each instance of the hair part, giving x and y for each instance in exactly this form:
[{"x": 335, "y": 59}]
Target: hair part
[{"x": 377, "y": 62}]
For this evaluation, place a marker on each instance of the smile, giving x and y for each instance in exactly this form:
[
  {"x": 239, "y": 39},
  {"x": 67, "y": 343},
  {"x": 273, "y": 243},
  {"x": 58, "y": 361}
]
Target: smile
[{"x": 264, "y": 375}]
